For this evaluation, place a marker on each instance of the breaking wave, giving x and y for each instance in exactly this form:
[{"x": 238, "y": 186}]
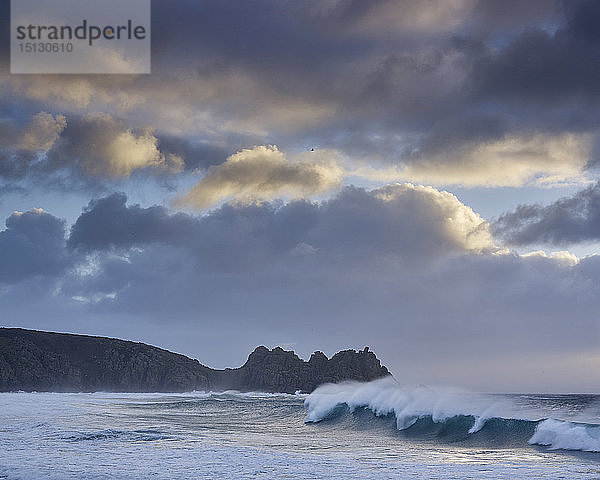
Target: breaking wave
[
  {"x": 563, "y": 435},
  {"x": 454, "y": 414}
]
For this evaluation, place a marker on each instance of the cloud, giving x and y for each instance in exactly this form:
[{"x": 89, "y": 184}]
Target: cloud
[
  {"x": 41, "y": 133},
  {"x": 357, "y": 230},
  {"x": 95, "y": 146},
  {"x": 563, "y": 69},
  {"x": 469, "y": 92},
  {"x": 32, "y": 244},
  {"x": 285, "y": 81},
  {"x": 264, "y": 173},
  {"x": 101, "y": 146},
  {"x": 23, "y": 146},
  {"x": 567, "y": 221},
  {"x": 196, "y": 155},
  {"x": 563, "y": 256},
  {"x": 397, "y": 267},
  {"x": 436, "y": 17},
  {"x": 461, "y": 223},
  {"x": 108, "y": 223},
  {"x": 406, "y": 221},
  {"x": 542, "y": 160},
  {"x": 442, "y": 92},
  {"x": 538, "y": 160},
  {"x": 352, "y": 236},
  {"x": 75, "y": 93}
]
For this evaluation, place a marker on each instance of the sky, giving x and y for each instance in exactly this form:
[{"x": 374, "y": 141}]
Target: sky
[{"x": 421, "y": 177}]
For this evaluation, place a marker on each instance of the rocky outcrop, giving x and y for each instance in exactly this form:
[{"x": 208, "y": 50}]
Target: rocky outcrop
[
  {"x": 279, "y": 370},
  {"x": 43, "y": 361}
]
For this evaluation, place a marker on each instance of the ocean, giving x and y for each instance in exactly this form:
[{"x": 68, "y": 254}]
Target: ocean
[{"x": 375, "y": 430}]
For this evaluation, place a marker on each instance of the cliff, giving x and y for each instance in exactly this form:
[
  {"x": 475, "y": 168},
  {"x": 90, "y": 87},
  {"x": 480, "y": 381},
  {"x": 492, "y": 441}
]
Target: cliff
[
  {"x": 279, "y": 370},
  {"x": 43, "y": 361}
]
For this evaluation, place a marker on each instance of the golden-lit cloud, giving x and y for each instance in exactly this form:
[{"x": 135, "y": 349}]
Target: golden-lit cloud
[
  {"x": 562, "y": 257},
  {"x": 462, "y": 226},
  {"x": 127, "y": 152},
  {"x": 540, "y": 160},
  {"x": 265, "y": 173},
  {"x": 102, "y": 146}
]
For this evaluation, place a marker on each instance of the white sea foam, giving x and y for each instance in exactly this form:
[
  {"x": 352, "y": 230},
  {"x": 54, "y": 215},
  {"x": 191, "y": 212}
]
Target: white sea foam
[
  {"x": 237, "y": 393},
  {"x": 562, "y": 435},
  {"x": 408, "y": 404}
]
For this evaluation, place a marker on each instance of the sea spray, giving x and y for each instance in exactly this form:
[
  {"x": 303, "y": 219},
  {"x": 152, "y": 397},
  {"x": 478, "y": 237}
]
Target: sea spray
[
  {"x": 562, "y": 435},
  {"x": 411, "y": 404},
  {"x": 408, "y": 404}
]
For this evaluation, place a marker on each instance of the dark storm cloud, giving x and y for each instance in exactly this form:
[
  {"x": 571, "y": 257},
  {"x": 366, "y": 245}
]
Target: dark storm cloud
[
  {"x": 568, "y": 220},
  {"x": 442, "y": 91},
  {"x": 133, "y": 250},
  {"x": 540, "y": 66},
  {"x": 262, "y": 31},
  {"x": 405, "y": 83},
  {"x": 356, "y": 225},
  {"x": 108, "y": 223},
  {"x": 33, "y": 243},
  {"x": 539, "y": 78}
]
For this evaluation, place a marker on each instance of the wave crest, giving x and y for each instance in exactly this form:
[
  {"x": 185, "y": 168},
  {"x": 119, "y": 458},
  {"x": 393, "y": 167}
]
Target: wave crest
[
  {"x": 562, "y": 435},
  {"x": 439, "y": 405}
]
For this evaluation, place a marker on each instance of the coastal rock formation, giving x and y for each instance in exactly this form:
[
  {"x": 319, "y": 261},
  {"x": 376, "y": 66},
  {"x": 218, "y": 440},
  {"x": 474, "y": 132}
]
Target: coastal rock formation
[
  {"x": 279, "y": 370},
  {"x": 43, "y": 361}
]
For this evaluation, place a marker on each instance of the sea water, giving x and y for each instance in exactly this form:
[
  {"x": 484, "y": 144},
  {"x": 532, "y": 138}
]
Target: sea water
[{"x": 377, "y": 430}]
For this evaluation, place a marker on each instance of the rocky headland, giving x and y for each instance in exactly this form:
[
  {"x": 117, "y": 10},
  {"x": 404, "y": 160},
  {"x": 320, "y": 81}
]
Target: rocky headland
[{"x": 32, "y": 360}]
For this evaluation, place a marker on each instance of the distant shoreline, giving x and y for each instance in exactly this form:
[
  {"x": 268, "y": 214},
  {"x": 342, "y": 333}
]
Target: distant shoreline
[{"x": 32, "y": 360}]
